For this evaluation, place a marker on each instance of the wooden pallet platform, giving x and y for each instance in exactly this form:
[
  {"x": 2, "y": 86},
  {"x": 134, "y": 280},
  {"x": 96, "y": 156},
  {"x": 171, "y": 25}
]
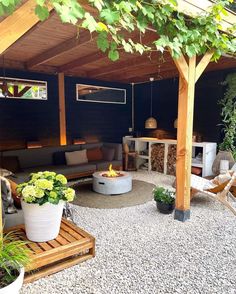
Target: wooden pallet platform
[{"x": 72, "y": 246}]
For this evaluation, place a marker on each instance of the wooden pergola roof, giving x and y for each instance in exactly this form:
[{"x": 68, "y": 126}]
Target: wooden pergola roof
[{"x": 53, "y": 47}]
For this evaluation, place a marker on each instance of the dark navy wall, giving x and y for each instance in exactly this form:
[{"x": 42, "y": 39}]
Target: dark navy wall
[
  {"x": 106, "y": 121},
  {"x": 165, "y": 99},
  {"x": 28, "y": 120},
  {"x": 207, "y": 120}
]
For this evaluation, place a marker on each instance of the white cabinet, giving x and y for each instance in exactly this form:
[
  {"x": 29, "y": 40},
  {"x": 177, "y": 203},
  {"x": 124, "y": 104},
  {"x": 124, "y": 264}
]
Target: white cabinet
[{"x": 143, "y": 147}]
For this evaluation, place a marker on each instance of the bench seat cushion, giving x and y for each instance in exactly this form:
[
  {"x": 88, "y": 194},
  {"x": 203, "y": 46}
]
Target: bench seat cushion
[{"x": 59, "y": 169}]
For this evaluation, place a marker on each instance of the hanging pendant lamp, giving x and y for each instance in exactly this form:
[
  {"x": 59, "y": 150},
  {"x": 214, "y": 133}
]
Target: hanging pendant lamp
[{"x": 151, "y": 122}]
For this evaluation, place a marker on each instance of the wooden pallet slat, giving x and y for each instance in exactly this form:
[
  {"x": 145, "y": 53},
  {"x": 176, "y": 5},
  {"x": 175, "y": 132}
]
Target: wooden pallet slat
[
  {"x": 62, "y": 240},
  {"x": 72, "y": 246},
  {"x": 57, "y": 267},
  {"x": 67, "y": 236},
  {"x": 71, "y": 231},
  {"x": 54, "y": 243}
]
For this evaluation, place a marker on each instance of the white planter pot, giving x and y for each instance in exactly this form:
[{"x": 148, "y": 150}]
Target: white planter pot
[
  {"x": 14, "y": 287},
  {"x": 42, "y": 223}
]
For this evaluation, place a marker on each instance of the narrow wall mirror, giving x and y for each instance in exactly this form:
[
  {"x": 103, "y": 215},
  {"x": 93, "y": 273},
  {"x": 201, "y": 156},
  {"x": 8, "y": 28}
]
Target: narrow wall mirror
[{"x": 100, "y": 94}]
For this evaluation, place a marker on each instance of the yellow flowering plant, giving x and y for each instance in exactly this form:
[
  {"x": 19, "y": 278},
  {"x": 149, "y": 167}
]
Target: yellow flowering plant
[{"x": 45, "y": 187}]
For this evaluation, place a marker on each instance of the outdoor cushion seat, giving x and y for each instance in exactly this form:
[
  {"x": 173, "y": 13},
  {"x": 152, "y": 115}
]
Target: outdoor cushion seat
[
  {"x": 60, "y": 169},
  {"x": 63, "y": 169}
]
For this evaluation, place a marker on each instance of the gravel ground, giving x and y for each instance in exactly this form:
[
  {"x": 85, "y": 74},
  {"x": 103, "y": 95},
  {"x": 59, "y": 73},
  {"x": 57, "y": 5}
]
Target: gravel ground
[{"x": 141, "y": 251}]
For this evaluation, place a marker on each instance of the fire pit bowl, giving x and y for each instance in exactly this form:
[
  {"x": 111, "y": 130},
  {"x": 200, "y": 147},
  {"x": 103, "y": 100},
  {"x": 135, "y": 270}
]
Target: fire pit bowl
[{"x": 112, "y": 185}]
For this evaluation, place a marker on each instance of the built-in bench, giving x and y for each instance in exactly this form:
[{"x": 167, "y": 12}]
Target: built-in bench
[{"x": 53, "y": 159}]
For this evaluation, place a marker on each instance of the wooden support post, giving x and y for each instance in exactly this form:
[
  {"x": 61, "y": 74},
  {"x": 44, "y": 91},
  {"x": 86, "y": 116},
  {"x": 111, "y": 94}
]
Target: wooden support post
[
  {"x": 62, "y": 111},
  {"x": 189, "y": 74},
  {"x": 184, "y": 141}
]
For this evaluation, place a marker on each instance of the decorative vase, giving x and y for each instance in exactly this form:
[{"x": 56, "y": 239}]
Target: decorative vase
[
  {"x": 14, "y": 287},
  {"x": 222, "y": 155},
  {"x": 164, "y": 207},
  {"x": 42, "y": 223}
]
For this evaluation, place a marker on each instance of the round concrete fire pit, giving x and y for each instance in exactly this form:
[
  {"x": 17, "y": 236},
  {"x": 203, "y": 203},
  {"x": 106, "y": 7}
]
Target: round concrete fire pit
[{"x": 112, "y": 185}]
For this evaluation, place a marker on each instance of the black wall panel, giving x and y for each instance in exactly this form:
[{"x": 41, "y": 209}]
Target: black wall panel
[{"x": 29, "y": 120}]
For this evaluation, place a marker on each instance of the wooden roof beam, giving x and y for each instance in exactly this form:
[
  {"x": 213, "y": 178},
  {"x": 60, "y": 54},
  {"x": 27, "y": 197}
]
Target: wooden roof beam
[
  {"x": 122, "y": 65},
  {"x": 17, "y": 24},
  {"x": 63, "y": 47}
]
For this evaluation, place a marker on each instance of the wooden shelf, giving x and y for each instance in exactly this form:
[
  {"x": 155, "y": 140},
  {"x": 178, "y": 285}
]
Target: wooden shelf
[{"x": 72, "y": 246}]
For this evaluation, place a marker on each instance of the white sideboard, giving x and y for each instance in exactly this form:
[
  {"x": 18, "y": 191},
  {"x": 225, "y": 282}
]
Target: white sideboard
[{"x": 143, "y": 147}]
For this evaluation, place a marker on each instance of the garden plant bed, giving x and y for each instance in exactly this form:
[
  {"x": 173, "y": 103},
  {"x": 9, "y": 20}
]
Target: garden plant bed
[{"x": 72, "y": 246}]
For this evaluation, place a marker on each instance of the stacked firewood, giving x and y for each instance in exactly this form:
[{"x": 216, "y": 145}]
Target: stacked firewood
[
  {"x": 171, "y": 160},
  {"x": 157, "y": 157}
]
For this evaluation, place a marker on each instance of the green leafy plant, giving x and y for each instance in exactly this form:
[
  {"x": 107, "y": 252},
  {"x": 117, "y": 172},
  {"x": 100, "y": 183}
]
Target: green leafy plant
[
  {"x": 114, "y": 22},
  {"x": 163, "y": 195},
  {"x": 13, "y": 255},
  {"x": 228, "y": 114},
  {"x": 45, "y": 187}
]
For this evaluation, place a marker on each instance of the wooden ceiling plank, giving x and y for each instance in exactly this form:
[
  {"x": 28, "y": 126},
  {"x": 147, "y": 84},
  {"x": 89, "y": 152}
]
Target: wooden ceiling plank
[
  {"x": 93, "y": 57},
  {"x": 123, "y": 64},
  {"x": 193, "y": 8},
  {"x": 82, "y": 61},
  {"x": 17, "y": 24},
  {"x": 63, "y": 47},
  {"x": 145, "y": 78}
]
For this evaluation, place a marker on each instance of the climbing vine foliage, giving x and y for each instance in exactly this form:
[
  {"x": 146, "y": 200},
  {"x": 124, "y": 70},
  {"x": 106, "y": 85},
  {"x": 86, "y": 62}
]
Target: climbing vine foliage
[
  {"x": 228, "y": 114},
  {"x": 114, "y": 22}
]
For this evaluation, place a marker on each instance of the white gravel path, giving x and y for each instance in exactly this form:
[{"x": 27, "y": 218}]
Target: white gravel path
[{"x": 141, "y": 251}]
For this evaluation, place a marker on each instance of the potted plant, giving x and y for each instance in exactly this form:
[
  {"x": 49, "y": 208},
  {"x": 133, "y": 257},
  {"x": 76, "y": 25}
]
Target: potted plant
[
  {"x": 14, "y": 255},
  {"x": 165, "y": 200},
  {"x": 42, "y": 199}
]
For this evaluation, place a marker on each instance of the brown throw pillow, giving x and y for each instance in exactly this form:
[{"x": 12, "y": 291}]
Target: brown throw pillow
[
  {"x": 94, "y": 154},
  {"x": 10, "y": 163}
]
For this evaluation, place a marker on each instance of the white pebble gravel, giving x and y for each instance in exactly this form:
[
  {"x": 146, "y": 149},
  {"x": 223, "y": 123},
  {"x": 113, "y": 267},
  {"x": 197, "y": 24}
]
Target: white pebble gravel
[{"x": 140, "y": 251}]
